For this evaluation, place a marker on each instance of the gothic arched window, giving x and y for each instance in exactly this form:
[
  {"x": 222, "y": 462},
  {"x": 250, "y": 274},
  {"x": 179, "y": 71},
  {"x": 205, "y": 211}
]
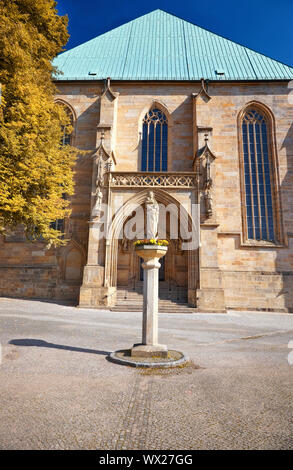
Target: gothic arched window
[
  {"x": 66, "y": 138},
  {"x": 154, "y": 141},
  {"x": 258, "y": 177}
]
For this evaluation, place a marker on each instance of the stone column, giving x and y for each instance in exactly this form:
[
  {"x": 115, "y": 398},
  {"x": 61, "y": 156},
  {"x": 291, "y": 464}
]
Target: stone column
[
  {"x": 211, "y": 295},
  {"x": 149, "y": 346},
  {"x": 150, "y": 301},
  {"x": 95, "y": 291}
]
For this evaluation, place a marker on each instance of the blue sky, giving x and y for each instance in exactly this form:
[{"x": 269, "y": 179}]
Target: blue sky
[{"x": 263, "y": 25}]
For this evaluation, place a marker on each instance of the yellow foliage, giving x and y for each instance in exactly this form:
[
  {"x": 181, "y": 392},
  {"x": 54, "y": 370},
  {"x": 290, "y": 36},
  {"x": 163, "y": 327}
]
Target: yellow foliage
[{"x": 35, "y": 169}]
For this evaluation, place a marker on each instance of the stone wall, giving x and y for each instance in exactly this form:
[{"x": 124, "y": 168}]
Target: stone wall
[{"x": 252, "y": 277}]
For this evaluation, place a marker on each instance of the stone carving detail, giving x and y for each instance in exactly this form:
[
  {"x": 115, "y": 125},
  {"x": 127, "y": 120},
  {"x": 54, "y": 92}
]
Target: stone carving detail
[
  {"x": 100, "y": 175},
  {"x": 101, "y": 154},
  {"x": 204, "y": 160},
  {"x": 109, "y": 165},
  {"x": 152, "y": 215},
  {"x": 98, "y": 204},
  {"x": 108, "y": 89},
  {"x": 203, "y": 91},
  {"x": 208, "y": 185},
  {"x": 208, "y": 202},
  {"x": 107, "y": 107},
  {"x": 103, "y": 163},
  {"x": 136, "y": 179}
]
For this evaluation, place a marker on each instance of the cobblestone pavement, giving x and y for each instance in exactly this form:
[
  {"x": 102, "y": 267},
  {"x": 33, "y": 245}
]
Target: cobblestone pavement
[{"x": 58, "y": 390}]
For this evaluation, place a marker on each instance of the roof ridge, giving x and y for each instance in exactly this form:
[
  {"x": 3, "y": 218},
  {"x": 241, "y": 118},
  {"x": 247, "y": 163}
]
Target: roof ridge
[{"x": 159, "y": 45}]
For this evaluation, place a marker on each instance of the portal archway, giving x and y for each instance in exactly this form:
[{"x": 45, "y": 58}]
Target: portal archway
[{"x": 122, "y": 267}]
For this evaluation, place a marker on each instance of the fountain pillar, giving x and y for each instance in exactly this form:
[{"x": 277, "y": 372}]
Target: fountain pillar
[{"x": 149, "y": 345}]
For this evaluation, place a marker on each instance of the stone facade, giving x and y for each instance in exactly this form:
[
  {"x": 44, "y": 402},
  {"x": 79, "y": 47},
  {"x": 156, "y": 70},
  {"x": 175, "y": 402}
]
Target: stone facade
[{"x": 203, "y": 126}]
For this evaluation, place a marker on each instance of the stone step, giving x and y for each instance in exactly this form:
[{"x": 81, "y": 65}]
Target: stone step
[
  {"x": 162, "y": 303},
  {"x": 140, "y": 299},
  {"x": 171, "y": 300},
  {"x": 177, "y": 308},
  {"x": 121, "y": 293},
  {"x": 140, "y": 287},
  {"x": 131, "y": 291}
]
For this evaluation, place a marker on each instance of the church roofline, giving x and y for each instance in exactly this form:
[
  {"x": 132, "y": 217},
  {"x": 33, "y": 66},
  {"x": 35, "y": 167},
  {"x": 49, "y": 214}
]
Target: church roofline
[
  {"x": 179, "y": 81},
  {"x": 160, "y": 46}
]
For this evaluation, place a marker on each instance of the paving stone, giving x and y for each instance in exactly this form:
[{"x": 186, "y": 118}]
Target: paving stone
[{"x": 58, "y": 390}]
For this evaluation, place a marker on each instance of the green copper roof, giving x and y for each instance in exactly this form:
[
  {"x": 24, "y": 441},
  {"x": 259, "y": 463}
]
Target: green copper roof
[{"x": 160, "y": 46}]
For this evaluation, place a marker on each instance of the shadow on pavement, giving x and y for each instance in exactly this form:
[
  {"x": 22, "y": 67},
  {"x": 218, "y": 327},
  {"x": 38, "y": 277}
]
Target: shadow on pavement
[
  {"x": 66, "y": 303},
  {"x": 43, "y": 344}
]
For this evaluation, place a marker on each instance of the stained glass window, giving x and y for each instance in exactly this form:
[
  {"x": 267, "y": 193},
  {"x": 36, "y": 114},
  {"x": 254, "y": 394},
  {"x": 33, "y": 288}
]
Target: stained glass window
[
  {"x": 154, "y": 141},
  {"x": 258, "y": 176}
]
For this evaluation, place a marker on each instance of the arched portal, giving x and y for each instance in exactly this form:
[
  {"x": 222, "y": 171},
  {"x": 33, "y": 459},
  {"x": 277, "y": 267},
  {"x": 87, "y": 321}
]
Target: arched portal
[
  {"x": 181, "y": 266},
  {"x": 172, "y": 274}
]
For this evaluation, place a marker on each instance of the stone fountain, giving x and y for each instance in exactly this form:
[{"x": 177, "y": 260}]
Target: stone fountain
[{"x": 149, "y": 352}]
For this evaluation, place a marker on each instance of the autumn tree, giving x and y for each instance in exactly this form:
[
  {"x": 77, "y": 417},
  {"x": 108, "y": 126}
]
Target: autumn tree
[{"x": 36, "y": 170}]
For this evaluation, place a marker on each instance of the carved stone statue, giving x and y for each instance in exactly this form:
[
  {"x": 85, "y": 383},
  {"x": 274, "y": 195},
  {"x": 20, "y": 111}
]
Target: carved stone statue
[
  {"x": 98, "y": 203},
  {"x": 208, "y": 202},
  {"x": 152, "y": 215},
  {"x": 208, "y": 186},
  {"x": 100, "y": 176}
]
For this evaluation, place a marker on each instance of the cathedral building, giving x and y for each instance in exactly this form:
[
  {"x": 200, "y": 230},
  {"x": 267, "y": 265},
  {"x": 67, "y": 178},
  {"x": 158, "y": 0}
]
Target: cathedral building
[{"x": 164, "y": 106}]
